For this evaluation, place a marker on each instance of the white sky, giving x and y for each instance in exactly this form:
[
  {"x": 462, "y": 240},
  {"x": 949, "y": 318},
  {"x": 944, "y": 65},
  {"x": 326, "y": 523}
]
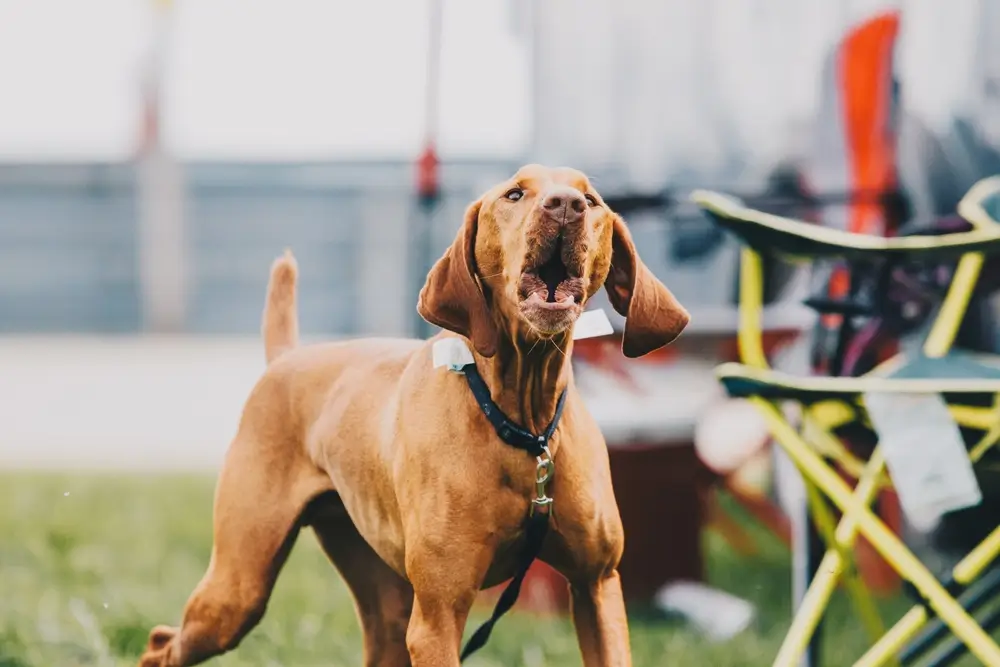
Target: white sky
[
  {"x": 278, "y": 79},
  {"x": 313, "y": 79}
]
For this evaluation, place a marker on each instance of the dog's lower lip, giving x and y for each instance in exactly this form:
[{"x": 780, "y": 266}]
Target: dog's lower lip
[{"x": 536, "y": 300}]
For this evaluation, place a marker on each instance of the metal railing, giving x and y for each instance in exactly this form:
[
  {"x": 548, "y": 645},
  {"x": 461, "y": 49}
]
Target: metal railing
[{"x": 69, "y": 260}]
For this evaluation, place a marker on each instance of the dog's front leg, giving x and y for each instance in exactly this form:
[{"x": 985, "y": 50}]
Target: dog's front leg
[
  {"x": 446, "y": 574},
  {"x": 601, "y": 624}
]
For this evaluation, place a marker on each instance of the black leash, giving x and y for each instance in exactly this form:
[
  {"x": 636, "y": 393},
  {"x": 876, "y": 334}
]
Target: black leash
[
  {"x": 534, "y": 535},
  {"x": 541, "y": 508}
]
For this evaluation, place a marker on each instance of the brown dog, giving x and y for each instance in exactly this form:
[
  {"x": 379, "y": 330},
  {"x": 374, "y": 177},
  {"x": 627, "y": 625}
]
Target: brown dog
[{"x": 411, "y": 493}]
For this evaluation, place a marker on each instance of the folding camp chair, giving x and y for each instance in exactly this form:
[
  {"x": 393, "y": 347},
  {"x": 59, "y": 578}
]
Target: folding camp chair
[{"x": 969, "y": 384}]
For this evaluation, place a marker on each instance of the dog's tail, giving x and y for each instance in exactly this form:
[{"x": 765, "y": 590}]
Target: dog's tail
[{"x": 280, "y": 327}]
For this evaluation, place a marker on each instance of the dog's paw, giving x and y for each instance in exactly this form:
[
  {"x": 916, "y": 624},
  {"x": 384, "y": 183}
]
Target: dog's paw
[{"x": 158, "y": 648}]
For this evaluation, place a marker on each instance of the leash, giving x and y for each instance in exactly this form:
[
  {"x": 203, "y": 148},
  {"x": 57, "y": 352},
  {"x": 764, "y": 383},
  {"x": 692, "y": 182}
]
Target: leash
[{"x": 541, "y": 505}]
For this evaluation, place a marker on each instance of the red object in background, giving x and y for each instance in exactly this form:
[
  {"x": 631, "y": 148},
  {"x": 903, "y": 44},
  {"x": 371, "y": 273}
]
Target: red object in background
[
  {"x": 859, "y": 103},
  {"x": 867, "y": 107},
  {"x": 544, "y": 591},
  {"x": 867, "y": 111},
  {"x": 606, "y": 352},
  {"x": 659, "y": 489},
  {"x": 772, "y": 341},
  {"x": 428, "y": 174},
  {"x": 149, "y": 129},
  {"x": 878, "y": 575}
]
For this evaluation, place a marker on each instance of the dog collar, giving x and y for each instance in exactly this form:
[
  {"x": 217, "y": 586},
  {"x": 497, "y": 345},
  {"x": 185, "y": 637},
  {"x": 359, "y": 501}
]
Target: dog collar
[
  {"x": 508, "y": 431},
  {"x": 541, "y": 505}
]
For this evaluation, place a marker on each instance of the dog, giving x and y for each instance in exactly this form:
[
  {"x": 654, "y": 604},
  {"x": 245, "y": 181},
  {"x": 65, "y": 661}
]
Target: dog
[{"x": 411, "y": 493}]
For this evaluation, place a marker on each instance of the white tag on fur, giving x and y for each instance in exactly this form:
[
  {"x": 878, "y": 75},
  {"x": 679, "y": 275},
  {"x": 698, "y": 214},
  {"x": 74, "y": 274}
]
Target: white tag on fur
[
  {"x": 592, "y": 323},
  {"x": 451, "y": 353}
]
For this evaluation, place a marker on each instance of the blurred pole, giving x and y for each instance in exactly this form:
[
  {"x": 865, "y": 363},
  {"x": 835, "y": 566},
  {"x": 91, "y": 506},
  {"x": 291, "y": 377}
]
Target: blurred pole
[
  {"x": 428, "y": 165},
  {"x": 161, "y": 235},
  {"x": 986, "y": 98},
  {"x": 529, "y": 32}
]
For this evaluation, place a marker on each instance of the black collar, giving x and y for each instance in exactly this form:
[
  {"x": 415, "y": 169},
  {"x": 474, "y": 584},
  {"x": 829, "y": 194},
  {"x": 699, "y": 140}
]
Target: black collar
[
  {"x": 511, "y": 433},
  {"x": 537, "y": 526}
]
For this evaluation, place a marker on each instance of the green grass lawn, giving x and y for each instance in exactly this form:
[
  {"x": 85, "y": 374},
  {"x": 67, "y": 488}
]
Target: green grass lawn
[{"x": 88, "y": 563}]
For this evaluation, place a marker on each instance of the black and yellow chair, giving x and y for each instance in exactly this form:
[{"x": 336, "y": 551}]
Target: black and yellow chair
[{"x": 969, "y": 384}]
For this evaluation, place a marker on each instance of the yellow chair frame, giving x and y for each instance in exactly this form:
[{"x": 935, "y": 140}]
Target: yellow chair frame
[{"x": 830, "y": 402}]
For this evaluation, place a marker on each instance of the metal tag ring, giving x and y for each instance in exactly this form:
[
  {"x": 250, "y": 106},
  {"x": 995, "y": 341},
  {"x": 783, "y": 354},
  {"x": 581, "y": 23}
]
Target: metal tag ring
[{"x": 543, "y": 472}]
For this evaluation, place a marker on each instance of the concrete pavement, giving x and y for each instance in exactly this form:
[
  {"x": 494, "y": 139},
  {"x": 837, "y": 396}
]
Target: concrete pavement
[
  {"x": 173, "y": 403},
  {"x": 122, "y": 402}
]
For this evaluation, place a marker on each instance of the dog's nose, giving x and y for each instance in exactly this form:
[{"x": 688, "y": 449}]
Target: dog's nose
[{"x": 565, "y": 204}]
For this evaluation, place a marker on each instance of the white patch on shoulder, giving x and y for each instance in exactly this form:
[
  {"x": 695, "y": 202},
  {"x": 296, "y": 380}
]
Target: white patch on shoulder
[{"x": 452, "y": 353}]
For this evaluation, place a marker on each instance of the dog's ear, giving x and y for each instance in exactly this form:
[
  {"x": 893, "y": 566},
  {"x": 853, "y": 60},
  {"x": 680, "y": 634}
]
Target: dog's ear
[
  {"x": 452, "y": 298},
  {"x": 653, "y": 317}
]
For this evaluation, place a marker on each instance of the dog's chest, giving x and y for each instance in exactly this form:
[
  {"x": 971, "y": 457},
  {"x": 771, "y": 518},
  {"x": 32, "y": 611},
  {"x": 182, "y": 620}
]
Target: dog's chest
[{"x": 506, "y": 560}]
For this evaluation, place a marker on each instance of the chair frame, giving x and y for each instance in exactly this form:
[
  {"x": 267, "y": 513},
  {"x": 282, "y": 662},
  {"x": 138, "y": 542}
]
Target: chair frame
[{"x": 815, "y": 448}]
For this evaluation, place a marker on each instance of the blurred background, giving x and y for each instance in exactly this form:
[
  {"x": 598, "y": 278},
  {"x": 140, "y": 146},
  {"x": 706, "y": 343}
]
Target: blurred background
[{"x": 156, "y": 156}]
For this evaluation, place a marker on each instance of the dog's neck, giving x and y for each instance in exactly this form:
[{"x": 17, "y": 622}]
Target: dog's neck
[{"x": 527, "y": 377}]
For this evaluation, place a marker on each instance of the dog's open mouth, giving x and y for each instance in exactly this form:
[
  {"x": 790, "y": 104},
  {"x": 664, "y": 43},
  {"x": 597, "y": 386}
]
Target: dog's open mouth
[{"x": 551, "y": 283}]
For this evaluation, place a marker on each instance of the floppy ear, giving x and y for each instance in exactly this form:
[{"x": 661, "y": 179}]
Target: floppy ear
[
  {"x": 653, "y": 317},
  {"x": 452, "y": 298}
]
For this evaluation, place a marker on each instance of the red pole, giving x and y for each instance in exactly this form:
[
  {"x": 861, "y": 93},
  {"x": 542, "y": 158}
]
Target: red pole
[
  {"x": 427, "y": 164},
  {"x": 161, "y": 241},
  {"x": 428, "y": 184}
]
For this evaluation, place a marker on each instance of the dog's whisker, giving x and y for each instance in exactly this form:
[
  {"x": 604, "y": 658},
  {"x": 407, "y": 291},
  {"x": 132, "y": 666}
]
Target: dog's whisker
[{"x": 534, "y": 345}]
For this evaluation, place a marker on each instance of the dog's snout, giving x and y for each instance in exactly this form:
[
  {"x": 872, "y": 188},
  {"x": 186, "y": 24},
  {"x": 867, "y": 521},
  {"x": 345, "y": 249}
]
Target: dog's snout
[
  {"x": 565, "y": 204},
  {"x": 558, "y": 201}
]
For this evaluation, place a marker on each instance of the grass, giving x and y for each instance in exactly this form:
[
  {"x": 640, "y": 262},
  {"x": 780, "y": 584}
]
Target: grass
[{"x": 88, "y": 563}]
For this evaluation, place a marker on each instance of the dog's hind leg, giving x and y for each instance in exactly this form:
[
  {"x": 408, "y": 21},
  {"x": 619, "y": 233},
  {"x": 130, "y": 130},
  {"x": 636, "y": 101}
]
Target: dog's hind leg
[
  {"x": 261, "y": 494},
  {"x": 383, "y": 599}
]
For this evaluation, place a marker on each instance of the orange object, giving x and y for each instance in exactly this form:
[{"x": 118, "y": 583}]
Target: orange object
[
  {"x": 866, "y": 110},
  {"x": 870, "y": 142},
  {"x": 764, "y": 510}
]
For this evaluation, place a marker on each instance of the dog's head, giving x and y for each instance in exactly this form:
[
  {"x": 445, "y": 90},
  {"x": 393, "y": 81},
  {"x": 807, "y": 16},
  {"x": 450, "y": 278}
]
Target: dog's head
[{"x": 530, "y": 252}]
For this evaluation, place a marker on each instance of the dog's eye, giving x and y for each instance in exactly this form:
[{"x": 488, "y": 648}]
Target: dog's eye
[
  {"x": 591, "y": 200},
  {"x": 514, "y": 194}
]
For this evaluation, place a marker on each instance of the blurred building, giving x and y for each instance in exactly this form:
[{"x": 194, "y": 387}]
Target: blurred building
[{"x": 298, "y": 125}]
